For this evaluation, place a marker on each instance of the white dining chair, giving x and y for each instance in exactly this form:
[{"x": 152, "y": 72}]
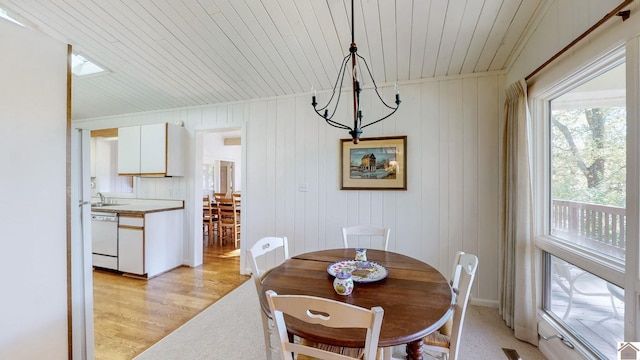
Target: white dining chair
[
  {"x": 366, "y": 230},
  {"x": 447, "y": 327},
  {"x": 325, "y": 312},
  {"x": 447, "y": 344},
  {"x": 258, "y": 250}
]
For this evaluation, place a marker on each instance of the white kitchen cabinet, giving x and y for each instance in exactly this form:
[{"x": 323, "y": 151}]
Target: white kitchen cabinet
[
  {"x": 131, "y": 244},
  {"x": 151, "y": 150},
  {"x": 150, "y": 244},
  {"x": 129, "y": 150}
]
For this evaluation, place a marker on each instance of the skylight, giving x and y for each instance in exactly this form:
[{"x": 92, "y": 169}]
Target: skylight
[
  {"x": 4, "y": 15},
  {"x": 80, "y": 66}
]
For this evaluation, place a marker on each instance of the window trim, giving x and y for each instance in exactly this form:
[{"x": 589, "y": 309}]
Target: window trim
[{"x": 609, "y": 269}]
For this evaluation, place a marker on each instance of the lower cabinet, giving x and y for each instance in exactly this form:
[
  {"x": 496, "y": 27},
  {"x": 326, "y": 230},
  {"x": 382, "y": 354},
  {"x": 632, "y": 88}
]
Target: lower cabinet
[
  {"x": 131, "y": 244},
  {"x": 151, "y": 243}
]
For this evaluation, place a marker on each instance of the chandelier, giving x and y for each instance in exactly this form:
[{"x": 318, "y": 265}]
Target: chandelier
[{"x": 328, "y": 111}]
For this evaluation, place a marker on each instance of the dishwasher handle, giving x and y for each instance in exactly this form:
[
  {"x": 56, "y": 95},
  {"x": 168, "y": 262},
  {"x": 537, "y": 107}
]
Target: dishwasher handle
[{"x": 109, "y": 218}]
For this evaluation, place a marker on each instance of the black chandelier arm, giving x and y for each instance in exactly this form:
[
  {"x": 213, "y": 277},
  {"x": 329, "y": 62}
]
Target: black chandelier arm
[
  {"x": 340, "y": 80},
  {"x": 333, "y": 123},
  {"x": 377, "y": 121},
  {"x": 337, "y": 125},
  {"x": 375, "y": 87}
]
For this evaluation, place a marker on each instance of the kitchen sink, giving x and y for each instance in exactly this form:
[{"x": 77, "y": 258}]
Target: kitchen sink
[{"x": 103, "y": 205}]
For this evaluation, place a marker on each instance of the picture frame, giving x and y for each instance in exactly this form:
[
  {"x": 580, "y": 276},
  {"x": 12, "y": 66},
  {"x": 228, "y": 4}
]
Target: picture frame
[{"x": 375, "y": 163}]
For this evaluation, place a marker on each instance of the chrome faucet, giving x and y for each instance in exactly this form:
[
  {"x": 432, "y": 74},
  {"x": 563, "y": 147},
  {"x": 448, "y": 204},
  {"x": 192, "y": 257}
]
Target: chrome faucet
[{"x": 101, "y": 198}]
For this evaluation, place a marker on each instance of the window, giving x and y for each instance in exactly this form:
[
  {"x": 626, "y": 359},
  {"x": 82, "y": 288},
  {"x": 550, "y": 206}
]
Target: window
[
  {"x": 6, "y": 16},
  {"x": 588, "y": 164},
  {"x": 106, "y": 178},
  {"x": 80, "y": 66},
  {"x": 588, "y": 306},
  {"x": 584, "y": 246},
  {"x": 208, "y": 179}
]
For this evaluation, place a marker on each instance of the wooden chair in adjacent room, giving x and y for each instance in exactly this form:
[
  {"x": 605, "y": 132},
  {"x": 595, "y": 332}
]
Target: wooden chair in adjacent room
[
  {"x": 228, "y": 221},
  {"x": 326, "y": 312},
  {"x": 258, "y": 252},
  {"x": 237, "y": 206},
  {"x": 462, "y": 278},
  {"x": 219, "y": 196},
  {"x": 366, "y": 230},
  {"x": 209, "y": 219}
]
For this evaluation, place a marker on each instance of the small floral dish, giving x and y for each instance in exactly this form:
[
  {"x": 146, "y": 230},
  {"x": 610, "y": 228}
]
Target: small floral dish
[{"x": 361, "y": 271}]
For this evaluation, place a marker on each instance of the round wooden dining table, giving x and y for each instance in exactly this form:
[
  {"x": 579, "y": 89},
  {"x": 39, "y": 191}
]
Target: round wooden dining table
[{"x": 416, "y": 298}]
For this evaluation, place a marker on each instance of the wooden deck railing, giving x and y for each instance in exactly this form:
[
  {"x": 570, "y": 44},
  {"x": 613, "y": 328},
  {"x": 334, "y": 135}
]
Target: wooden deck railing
[{"x": 602, "y": 228}]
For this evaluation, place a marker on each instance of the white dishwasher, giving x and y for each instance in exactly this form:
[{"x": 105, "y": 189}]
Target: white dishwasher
[{"x": 104, "y": 240}]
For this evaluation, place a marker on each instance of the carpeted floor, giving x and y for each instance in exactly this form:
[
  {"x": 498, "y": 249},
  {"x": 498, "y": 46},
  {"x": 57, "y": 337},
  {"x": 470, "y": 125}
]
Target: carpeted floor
[{"x": 231, "y": 328}]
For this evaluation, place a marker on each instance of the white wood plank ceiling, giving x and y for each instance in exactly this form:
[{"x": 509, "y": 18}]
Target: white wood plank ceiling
[{"x": 164, "y": 54}]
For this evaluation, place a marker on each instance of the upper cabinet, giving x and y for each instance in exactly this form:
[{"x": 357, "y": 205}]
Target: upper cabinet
[
  {"x": 129, "y": 150},
  {"x": 151, "y": 150}
]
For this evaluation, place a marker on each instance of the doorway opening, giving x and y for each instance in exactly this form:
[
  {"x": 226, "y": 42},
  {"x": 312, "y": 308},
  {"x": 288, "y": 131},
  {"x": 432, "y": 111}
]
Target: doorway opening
[{"x": 221, "y": 165}]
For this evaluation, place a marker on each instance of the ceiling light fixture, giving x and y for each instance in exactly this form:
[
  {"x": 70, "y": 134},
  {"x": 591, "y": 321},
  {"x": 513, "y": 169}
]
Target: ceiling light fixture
[{"x": 323, "y": 112}]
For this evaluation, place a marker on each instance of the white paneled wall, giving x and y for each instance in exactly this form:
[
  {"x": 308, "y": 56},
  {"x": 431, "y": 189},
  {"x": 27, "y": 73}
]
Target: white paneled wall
[
  {"x": 452, "y": 128},
  {"x": 33, "y": 156},
  {"x": 563, "y": 21}
]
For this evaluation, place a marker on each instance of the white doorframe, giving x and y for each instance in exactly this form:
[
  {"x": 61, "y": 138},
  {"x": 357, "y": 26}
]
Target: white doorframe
[
  {"x": 82, "y": 271},
  {"x": 195, "y": 247}
]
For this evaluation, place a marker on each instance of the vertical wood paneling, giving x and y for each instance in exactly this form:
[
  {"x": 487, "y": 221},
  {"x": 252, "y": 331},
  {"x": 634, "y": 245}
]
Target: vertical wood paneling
[
  {"x": 311, "y": 157},
  {"x": 407, "y": 222},
  {"x": 257, "y": 187},
  {"x": 279, "y": 166},
  {"x": 288, "y": 112},
  {"x": 429, "y": 172},
  {"x": 456, "y": 169},
  {"x": 490, "y": 103},
  {"x": 443, "y": 172},
  {"x": 469, "y": 240},
  {"x": 270, "y": 169}
]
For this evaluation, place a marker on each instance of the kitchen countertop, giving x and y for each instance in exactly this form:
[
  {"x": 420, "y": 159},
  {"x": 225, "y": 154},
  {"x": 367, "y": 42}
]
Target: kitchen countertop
[{"x": 138, "y": 207}]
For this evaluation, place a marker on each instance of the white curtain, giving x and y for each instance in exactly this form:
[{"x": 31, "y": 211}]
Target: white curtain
[{"x": 517, "y": 285}]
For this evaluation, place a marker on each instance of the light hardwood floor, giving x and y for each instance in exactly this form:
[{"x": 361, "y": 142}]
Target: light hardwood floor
[{"x": 130, "y": 315}]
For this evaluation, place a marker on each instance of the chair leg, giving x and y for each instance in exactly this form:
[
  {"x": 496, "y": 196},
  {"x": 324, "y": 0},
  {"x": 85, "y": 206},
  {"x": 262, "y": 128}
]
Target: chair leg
[
  {"x": 210, "y": 233},
  {"x": 268, "y": 328}
]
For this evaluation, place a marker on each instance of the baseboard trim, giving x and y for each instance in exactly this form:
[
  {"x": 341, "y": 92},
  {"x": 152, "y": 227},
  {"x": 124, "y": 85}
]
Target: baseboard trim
[{"x": 484, "y": 302}]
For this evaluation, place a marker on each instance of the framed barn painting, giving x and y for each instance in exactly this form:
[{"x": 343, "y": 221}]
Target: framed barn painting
[{"x": 377, "y": 163}]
